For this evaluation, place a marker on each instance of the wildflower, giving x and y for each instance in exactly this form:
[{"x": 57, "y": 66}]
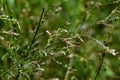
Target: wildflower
[{"x": 112, "y": 51}]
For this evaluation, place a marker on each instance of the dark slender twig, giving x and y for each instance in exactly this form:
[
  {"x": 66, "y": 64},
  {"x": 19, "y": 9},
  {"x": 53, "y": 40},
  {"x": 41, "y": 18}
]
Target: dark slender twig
[
  {"x": 33, "y": 39},
  {"x": 103, "y": 57},
  {"x": 39, "y": 24},
  {"x": 100, "y": 65}
]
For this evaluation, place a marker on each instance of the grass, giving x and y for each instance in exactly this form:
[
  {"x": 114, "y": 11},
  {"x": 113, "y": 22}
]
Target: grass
[{"x": 70, "y": 40}]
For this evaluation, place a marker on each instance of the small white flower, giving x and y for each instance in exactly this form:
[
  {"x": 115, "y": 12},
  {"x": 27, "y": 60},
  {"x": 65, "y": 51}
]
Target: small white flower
[
  {"x": 112, "y": 51},
  {"x": 58, "y": 9}
]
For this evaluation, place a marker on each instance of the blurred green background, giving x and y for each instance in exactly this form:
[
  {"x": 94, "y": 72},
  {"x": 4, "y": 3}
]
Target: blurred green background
[{"x": 68, "y": 45}]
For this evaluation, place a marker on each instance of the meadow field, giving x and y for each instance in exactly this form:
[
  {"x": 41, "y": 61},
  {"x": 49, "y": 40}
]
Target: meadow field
[{"x": 59, "y": 39}]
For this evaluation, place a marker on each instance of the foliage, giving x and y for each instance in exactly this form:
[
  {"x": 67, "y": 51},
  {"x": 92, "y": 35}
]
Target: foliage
[{"x": 77, "y": 40}]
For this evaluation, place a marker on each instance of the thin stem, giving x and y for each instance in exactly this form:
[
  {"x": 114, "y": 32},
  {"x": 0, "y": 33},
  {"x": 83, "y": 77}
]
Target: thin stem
[
  {"x": 68, "y": 69},
  {"x": 100, "y": 65},
  {"x": 33, "y": 39},
  {"x": 103, "y": 57},
  {"x": 39, "y": 24}
]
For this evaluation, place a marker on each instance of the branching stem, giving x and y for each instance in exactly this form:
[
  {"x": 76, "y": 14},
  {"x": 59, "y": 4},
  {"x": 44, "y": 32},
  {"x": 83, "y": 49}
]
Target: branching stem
[{"x": 33, "y": 39}]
